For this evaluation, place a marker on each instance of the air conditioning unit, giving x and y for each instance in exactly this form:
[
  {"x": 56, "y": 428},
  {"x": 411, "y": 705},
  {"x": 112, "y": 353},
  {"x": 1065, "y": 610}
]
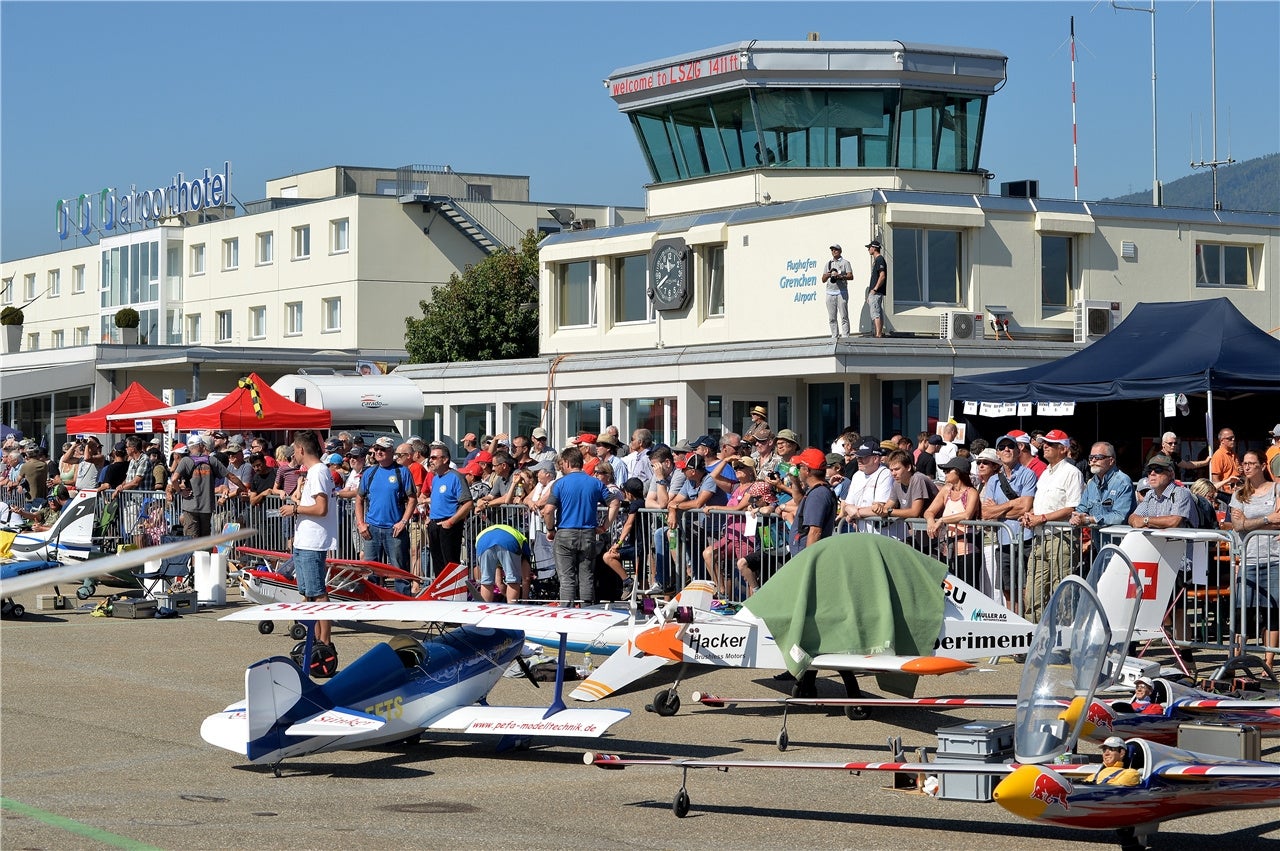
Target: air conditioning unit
[
  {"x": 1095, "y": 319},
  {"x": 960, "y": 325}
]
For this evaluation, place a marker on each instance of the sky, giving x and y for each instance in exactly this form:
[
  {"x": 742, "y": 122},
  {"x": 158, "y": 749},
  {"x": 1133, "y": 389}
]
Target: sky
[{"x": 120, "y": 94}]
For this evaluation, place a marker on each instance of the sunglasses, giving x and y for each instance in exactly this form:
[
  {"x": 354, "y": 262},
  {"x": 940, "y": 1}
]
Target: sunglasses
[
  {"x": 1099, "y": 457},
  {"x": 1151, "y": 470}
]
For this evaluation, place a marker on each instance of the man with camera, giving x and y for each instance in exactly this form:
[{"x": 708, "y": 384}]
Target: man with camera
[{"x": 837, "y": 276}]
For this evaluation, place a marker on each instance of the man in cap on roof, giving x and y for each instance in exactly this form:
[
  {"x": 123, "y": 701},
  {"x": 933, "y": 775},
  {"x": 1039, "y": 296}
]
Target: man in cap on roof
[
  {"x": 877, "y": 286},
  {"x": 837, "y": 276},
  {"x": 1058, "y": 492}
]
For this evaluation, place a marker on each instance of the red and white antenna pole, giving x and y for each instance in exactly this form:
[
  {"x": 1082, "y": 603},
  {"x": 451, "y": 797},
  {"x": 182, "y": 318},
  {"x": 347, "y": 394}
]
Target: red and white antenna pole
[{"x": 1075, "y": 162}]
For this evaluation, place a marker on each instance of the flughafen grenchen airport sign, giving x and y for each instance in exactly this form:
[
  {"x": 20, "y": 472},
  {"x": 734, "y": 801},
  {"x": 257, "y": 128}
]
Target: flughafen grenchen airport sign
[{"x": 116, "y": 210}]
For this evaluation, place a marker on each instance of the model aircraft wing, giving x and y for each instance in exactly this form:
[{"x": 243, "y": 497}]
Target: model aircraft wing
[
  {"x": 337, "y": 722},
  {"x": 492, "y": 615},
  {"x": 618, "y": 671},
  {"x": 1191, "y": 772},
  {"x": 887, "y": 663},
  {"x": 17, "y": 577},
  {"x": 1211, "y": 707},
  {"x": 715, "y": 701},
  {"x": 613, "y": 761},
  {"x": 528, "y": 721}
]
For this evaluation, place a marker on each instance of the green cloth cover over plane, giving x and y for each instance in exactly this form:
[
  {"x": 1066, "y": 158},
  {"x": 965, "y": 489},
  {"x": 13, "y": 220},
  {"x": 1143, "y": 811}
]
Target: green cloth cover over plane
[{"x": 855, "y": 593}]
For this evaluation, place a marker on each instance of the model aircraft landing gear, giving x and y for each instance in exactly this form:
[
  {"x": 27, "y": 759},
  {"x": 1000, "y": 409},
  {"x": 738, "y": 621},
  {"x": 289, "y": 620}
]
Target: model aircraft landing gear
[
  {"x": 86, "y": 589},
  {"x": 851, "y": 689},
  {"x": 783, "y": 740},
  {"x": 806, "y": 685},
  {"x": 680, "y": 804},
  {"x": 266, "y": 627},
  {"x": 275, "y": 769},
  {"x": 297, "y": 632},
  {"x": 666, "y": 703},
  {"x": 11, "y": 609}
]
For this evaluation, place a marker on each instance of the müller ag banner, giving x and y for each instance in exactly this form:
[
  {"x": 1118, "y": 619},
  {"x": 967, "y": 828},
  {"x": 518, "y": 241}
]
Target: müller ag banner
[{"x": 140, "y": 207}]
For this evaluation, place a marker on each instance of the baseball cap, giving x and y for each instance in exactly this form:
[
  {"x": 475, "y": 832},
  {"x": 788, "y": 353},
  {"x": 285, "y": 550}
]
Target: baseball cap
[
  {"x": 836, "y": 247},
  {"x": 1020, "y": 436},
  {"x": 788, "y": 434},
  {"x": 237, "y": 440},
  {"x": 586, "y": 438},
  {"x": 744, "y": 461},
  {"x": 867, "y": 448},
  {"x": 195, "y": 440},
  {"x": 484, "y": 456},
  {"x": 695, "y": 462},
  {"x": 875, "y": 243},
  {"x": 543, "y": 467},
  {"x": 384, "y": 442},
  {"x": 1006, "y": 438},
  {"x": 353, "y": 452},
  {"x": 835, "y": 458},
  {"x": 333, "y": 458},
  {"x": 1144, "y": 681},
  {"x": 157, "y": 440},
  {"x": 1163, "y": 462},
  {"x": 814, "y": 459},
  {"x": 1275, "y": 432},
  {"x": 1057, "y": 436},
  {"x": 707, "y": 441},
  {"x": 180, "y": 449},
  {"x": 469, "y": 437},
  {"x": 473, "y": 469},
  {"x": 935, "y": 440},
  {"x": 221, "y": 434},
  {"x": 682, "y": 445},
  {"x": 959, "y": 463},
  {"x": 540, "y": 432},
  {"x": 1113, "y": 742}
]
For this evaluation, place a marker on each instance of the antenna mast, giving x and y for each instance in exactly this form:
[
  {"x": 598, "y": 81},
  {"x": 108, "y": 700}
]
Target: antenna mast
[
  {"x": 1075, "y": 161},
  {"x": 1213, "y": 101},
  {"x": 1156, "y": 188}
]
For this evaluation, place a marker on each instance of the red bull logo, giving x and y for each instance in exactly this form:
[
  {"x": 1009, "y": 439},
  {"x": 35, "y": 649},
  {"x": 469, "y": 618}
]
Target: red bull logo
[
  {"x": 1099, "y": 715},
  {"x": 1051, "y": 789}
]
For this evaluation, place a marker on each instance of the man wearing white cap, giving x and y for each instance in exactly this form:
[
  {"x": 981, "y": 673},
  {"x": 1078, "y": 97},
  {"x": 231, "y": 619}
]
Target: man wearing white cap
[
  {"x": 1058, "y": 492},
  {"x": 1112, "y": 772},
  {"x": 196, "y": 473}
]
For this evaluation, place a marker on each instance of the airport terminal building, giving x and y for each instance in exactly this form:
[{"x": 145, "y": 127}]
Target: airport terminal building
[{"x": 682, "y": 316}]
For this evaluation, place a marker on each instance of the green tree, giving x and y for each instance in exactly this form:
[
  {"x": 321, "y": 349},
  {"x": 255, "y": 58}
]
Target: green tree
[{"x": 479, "y": 315}]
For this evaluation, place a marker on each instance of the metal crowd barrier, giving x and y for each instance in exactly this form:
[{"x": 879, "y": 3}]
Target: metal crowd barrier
[{"x": 1255, "y": 588}]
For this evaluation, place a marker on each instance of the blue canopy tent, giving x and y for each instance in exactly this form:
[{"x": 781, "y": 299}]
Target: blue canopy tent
[{"x": 1165, "y": 347}]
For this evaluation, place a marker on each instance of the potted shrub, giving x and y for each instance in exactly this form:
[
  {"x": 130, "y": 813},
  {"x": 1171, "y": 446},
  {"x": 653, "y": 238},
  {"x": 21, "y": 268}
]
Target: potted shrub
[
  {"x": 12, "y": 318},
  {"x": 127, "y": 321}
]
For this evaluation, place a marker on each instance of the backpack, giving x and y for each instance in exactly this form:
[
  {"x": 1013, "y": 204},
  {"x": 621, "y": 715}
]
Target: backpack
[
  {"x": 405, "y": 478},
  {"x": 198, "y": 461},
  {"x": 1205, "y": 517}
]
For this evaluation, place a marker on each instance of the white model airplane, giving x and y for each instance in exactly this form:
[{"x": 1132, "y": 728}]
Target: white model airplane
[
  {"x": 1076, "y": 650},
  {"x": 70, "y": 537},
  {"x": 403, "y": 687},
  {"x": 853, "y": 603}
]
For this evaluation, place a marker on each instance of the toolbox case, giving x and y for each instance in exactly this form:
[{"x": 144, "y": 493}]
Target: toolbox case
[
  {"x": 976, "y": 741},
  {"x": 133, "y": 608},
  {"x": 1237, "y": 741}
]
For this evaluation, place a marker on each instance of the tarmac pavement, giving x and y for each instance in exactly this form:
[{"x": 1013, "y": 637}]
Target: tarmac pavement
[{"x": 100, "y": 747}]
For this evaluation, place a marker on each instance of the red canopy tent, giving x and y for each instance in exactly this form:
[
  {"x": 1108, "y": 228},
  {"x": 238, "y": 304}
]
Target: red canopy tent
[
  {"x": 134, "y": 398},
  {"x": 236, "y": 411}
]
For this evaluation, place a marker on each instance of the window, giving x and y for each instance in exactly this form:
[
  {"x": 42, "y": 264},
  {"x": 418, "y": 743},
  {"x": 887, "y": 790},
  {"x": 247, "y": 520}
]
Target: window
[
  {"x": 926, "y": 267},
  {"x": 630, "y": 290},
  {"x": 331, "y": 314},
  {"x": 33, "y": 341},
  {"x": 193, "y": 328},
  {"x": 266, "y": 248},
  {"x": 1056, "y": 277},
  {"x": 1223, "y": 265},
  {"x": 197, "y": 259},
  {"x": 231, "y": 253},
  {"x": 77, "y": 279},
  {"x": 82, "y": 335},
  {"x": 55, "y": 283},
  {"x": 338, "y": 236},
  {"x": 29, "y": 286},
  {"x": 57, "y": 339},
  {"x": 6, "y": 291},
  {"x": 577, "y": 295},
  {"x": 222, "y": 323},
  {"x": 660, "y": 416},
  {"x": 302, "y": 242},
  {"x": 293, "y": 318},
  {"x": 257, "y": 323},
  {"x": 715, "y": 281}
]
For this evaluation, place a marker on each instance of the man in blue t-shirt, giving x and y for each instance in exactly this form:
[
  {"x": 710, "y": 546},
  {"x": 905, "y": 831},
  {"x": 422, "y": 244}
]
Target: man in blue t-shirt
[
  {"x": 506, "y": 547},
  {"x": 571, "y": 515},
  {"x": 384, "y": 504},
  {"x": 450, "y": 506}
]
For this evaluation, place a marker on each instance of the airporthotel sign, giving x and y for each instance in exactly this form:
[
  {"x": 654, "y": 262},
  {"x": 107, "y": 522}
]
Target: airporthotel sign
[
  {"x": 682, "y": 72},
  {"x": 149, "y": 205}
]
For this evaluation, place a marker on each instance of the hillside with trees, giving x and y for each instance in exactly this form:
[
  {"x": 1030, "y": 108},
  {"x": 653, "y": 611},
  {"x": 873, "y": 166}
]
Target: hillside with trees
[{"x": 1252, "y": 185}]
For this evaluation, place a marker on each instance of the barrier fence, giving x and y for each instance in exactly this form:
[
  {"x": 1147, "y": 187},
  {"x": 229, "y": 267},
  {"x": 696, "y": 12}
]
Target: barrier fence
[{"x": 1225, "y": 595}]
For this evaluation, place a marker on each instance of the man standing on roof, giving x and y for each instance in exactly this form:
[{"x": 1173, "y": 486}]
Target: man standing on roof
[
  {"x": 877, "y": 286},
  {"x": 316, "y": 531},
  {"x": 837, "y": 276}
]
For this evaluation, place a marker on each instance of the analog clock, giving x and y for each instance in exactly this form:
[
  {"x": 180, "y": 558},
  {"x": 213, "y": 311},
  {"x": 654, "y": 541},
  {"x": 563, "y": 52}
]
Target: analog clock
[{"x": 669, "y": 274}]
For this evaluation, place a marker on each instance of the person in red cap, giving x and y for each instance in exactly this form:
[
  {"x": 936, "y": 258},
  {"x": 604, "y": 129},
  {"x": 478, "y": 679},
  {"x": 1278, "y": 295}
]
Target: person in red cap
[
  {"x": 1058, "y": 492},
  {"x": 816, "y": 516}
]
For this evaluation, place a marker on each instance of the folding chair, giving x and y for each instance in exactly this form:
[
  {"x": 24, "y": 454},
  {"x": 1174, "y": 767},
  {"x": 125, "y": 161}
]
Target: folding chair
[{"x": 176, "y": 574}]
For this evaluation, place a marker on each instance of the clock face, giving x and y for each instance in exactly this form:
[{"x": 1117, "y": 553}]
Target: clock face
[{"x": 670, "y": 277}]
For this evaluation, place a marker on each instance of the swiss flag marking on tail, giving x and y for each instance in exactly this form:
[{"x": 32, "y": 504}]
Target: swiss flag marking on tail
[{"x": 1149, "y": 571}]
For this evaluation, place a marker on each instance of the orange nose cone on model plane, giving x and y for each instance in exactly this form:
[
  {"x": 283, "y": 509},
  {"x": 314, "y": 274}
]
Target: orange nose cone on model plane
[
  {"x": 935, "y": 665},
  {"x": 663, "y": 641}
]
